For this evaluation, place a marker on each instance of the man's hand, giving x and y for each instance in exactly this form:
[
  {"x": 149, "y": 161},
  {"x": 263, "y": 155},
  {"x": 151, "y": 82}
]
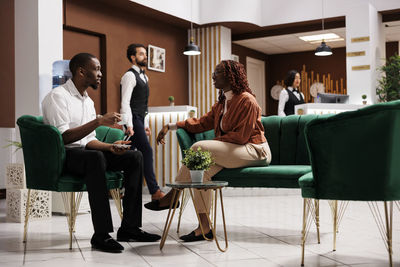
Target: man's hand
[
  {"x": 129, "y": 131},
  {"x": 117, "y": 149},
  {"x": 161, "y": 135},
  {"x": 148, "y": 131},
  {"x": 110, "y": 119}
]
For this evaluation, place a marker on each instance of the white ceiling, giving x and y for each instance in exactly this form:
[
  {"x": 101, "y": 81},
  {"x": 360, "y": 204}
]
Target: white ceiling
[{"x": 291, "y": 43}]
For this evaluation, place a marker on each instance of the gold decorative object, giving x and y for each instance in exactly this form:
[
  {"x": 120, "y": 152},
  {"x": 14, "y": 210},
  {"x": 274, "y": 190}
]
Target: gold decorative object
[
  {"x": 330, "y": 85},
  {"x": 361, "y": 67},
  {"x": 355, "y": 54},
  {"x": 360, "y": 39}
]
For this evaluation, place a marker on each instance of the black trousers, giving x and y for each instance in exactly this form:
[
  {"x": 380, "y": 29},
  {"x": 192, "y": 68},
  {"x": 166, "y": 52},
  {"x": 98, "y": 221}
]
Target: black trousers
[
  {"x": 92, "y": 166},
  {"x": 140, "y": 141}
]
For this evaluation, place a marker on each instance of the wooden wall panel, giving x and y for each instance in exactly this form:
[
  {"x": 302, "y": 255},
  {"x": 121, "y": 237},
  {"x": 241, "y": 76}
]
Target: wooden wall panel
[
  {"x": 122, "y": 28},
  {"x": 7, "y": 67}
]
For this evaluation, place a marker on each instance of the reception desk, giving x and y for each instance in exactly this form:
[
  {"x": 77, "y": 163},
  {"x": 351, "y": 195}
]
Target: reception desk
[{"x": 324, "y": 108}]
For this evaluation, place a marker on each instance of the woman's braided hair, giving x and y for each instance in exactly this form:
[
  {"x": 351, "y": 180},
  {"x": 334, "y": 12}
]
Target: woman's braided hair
[{"x": 236, "y": 75}]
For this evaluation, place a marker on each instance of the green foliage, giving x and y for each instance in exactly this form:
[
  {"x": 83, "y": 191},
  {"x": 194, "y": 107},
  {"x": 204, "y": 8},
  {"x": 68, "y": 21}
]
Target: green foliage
[
  {"x": 389, "y": 84},
  {"x": 171, "y": 98},
  {"x": 17, "y": 144},
  {"x": 364, "y": 97},
  {"x": 197, "y": 159}
]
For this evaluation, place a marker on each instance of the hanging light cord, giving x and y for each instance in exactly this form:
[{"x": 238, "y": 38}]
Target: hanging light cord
[{"x": 323, "y": 28}]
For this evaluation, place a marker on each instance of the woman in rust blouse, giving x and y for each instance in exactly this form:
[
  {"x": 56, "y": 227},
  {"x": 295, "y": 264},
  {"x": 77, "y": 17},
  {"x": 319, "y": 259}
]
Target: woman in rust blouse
[{"x": 239, "y": 136}]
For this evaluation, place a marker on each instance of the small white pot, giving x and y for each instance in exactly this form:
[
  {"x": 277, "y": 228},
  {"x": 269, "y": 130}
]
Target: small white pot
[{"x": 197, "y": 176}]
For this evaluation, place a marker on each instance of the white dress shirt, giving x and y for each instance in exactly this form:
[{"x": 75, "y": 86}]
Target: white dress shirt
[
  {"x": 65, "y": 108},
  {"x": 128, "y": 82},
  {"x": 283, "y": 98}
]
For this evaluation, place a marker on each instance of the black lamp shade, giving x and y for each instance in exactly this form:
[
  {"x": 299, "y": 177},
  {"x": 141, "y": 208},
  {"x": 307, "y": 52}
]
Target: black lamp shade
[
  {"x": 323, "y": 50},
  {"x": 192, "y": 50}
]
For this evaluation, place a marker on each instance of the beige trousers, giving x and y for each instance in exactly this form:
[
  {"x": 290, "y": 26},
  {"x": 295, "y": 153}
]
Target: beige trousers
[{"x": 225, "y": 155}]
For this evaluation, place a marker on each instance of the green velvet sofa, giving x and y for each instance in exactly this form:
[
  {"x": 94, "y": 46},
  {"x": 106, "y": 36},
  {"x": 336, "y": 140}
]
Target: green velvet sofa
[{"x": 290, "y": 158}]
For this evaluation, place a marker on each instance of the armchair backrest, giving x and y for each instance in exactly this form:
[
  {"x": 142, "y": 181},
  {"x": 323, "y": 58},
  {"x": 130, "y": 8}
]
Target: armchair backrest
[
  {"x": 355, "y": 155},
  {"x": 44, "y": 152},
  {"x": 285, "y": 136}
]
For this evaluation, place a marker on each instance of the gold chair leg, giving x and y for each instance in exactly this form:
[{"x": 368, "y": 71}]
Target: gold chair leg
[
  {"x": 71, "y": 206},
  {"x": 309, "y": 215},
  {"x": 385, "y": 227},
  {"x": 27, "y": 214},
  {"x": 316, "y": 203},
  {"x": 335, "y": 228},
  {"x": 115, "y": 194}
]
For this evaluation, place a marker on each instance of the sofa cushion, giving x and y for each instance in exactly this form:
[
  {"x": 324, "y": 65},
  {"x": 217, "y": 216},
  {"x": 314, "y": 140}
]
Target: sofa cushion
[
  {"x": 272, "y": 131},
  {"x": 72, "y": 183},
  {"x": 281, "y": 176}
]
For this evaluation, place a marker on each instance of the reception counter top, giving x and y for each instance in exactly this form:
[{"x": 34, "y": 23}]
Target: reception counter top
[{"x": 325, "y": 108}]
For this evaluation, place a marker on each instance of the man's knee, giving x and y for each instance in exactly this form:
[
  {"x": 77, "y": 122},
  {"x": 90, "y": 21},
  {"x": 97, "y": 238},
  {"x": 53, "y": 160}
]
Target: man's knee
[
  {"x": 134, "y": 156},
  {"x": 95, "y": 159}
]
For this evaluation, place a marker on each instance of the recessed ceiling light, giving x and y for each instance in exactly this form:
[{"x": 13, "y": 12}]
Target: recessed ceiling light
[{"x": 319, "y": 37}]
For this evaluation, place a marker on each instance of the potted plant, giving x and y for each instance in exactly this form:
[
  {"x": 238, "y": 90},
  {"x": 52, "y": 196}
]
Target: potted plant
[
  {"x": 389, "y": 84},
  {"x": 171, "y": 100},
  {"x": 364, "y": 97},
  {"x": 197, "y": 161}
]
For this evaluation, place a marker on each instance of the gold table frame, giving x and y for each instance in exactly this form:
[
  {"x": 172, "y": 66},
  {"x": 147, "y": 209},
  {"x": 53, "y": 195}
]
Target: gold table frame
[{"x": 177, "y": 189}]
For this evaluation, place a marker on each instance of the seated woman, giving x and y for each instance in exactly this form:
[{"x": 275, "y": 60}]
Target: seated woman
[{"x": 239, "y": 137}]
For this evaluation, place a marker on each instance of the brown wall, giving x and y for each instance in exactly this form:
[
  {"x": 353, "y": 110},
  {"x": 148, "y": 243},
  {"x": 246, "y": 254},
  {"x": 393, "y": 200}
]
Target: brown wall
[
  {"x": 7, "y": 67},
  {"x": 392, "y": 48},
  {"x": 122, "y": 28},
  {"x": 280, "y": 64}
]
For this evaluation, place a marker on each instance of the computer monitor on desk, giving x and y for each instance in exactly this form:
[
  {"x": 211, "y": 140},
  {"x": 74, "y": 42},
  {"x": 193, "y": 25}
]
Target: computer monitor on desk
[{"x": 331, "y": 98}]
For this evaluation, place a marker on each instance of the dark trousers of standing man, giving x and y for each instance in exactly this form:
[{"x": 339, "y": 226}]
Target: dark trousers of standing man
[
  {"x": 140, "y": 141},
  {"x": 92, "y": 166}
]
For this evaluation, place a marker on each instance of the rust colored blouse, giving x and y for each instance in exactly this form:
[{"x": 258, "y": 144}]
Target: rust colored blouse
[{"x": 241, "y": 122}]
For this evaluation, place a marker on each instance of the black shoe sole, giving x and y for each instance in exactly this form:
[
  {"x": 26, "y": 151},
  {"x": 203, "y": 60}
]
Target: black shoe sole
[
  {"x": 106, "y": 250},
  {"x": 155, "y": 205},
  {"x": 122, "y": 239}
]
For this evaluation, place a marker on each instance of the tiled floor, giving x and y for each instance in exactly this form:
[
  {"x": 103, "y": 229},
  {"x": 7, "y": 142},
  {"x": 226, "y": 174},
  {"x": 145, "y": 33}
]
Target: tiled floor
[{"x": 262, "y": 231}]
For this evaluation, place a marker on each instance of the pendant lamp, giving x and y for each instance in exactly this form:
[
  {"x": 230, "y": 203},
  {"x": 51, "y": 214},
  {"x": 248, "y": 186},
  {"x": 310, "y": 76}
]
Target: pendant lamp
[
  {"x": 323, "y": 49},
  {"x": 191, "y": 49}
]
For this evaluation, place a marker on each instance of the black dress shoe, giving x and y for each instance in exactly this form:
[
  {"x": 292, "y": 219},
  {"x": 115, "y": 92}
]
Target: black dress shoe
[
  {"x": 136, "y": 235},
  {"x": 155, "y": 205},
  {"x": 192, "y": 237},
  {"x": 106, "y": 243}
]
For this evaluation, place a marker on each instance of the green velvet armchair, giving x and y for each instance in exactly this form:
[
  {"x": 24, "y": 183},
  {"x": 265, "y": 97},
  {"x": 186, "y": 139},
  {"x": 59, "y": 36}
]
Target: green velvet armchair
[
  {"x": 44, "y": 156},
  {"x": 354, "y": 157}
]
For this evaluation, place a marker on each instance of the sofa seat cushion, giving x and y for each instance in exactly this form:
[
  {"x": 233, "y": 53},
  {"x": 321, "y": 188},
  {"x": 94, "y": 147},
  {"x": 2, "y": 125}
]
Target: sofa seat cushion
[
  {"x": 72, "y": 183},
  {"x": 280, "y": 176},
  {"x": 307, "y": 185}
]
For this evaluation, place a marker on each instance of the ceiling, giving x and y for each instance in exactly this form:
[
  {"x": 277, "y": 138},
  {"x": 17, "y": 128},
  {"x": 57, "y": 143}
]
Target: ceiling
[{"x": 290, "y": 43}]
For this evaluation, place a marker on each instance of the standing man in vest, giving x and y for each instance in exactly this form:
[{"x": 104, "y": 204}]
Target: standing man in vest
[
  {"x": 134, "y": 103},
  {"x": 290, "y": 96}
]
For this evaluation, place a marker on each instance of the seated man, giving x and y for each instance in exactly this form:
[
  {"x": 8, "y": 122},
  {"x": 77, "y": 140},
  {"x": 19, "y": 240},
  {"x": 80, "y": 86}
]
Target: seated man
[{"x": 70, "y": 109}]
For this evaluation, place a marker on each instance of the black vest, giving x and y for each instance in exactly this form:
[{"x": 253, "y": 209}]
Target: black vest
[
  {"x": 140, "y": 96},
  {"x": 292, "y": 101}
]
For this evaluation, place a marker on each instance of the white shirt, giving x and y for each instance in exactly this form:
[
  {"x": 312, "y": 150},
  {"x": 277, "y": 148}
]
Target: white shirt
[
  {"x": 128, "y": 82},
  {"x": 65, "y": 108},
  {"x": 283, "y": 98}
]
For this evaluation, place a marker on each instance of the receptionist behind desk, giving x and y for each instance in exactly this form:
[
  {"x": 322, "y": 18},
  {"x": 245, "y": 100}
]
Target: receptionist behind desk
[{"x": 290, "y": 96}]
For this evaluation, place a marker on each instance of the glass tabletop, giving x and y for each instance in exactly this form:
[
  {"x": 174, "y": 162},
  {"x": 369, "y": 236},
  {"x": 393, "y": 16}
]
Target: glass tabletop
[{"x": 205, "y": 185}]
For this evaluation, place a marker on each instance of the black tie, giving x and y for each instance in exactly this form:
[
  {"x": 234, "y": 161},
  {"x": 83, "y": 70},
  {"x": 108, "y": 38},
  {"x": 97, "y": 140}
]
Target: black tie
[{"x": 295, "y": 90}]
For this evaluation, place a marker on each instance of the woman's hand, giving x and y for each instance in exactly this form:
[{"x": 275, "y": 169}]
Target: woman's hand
[{"x": 161, "y": 135}]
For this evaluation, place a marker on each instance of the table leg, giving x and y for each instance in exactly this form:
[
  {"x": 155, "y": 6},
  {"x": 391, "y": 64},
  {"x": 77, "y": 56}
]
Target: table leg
[
  {"x": 213, "y": 225},
  {"x": 175, "y": 196}
]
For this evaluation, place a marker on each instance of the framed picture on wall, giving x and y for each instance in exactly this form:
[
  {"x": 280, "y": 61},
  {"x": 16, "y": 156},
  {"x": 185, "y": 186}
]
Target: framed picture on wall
[{"x": 156, "y": 58}]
